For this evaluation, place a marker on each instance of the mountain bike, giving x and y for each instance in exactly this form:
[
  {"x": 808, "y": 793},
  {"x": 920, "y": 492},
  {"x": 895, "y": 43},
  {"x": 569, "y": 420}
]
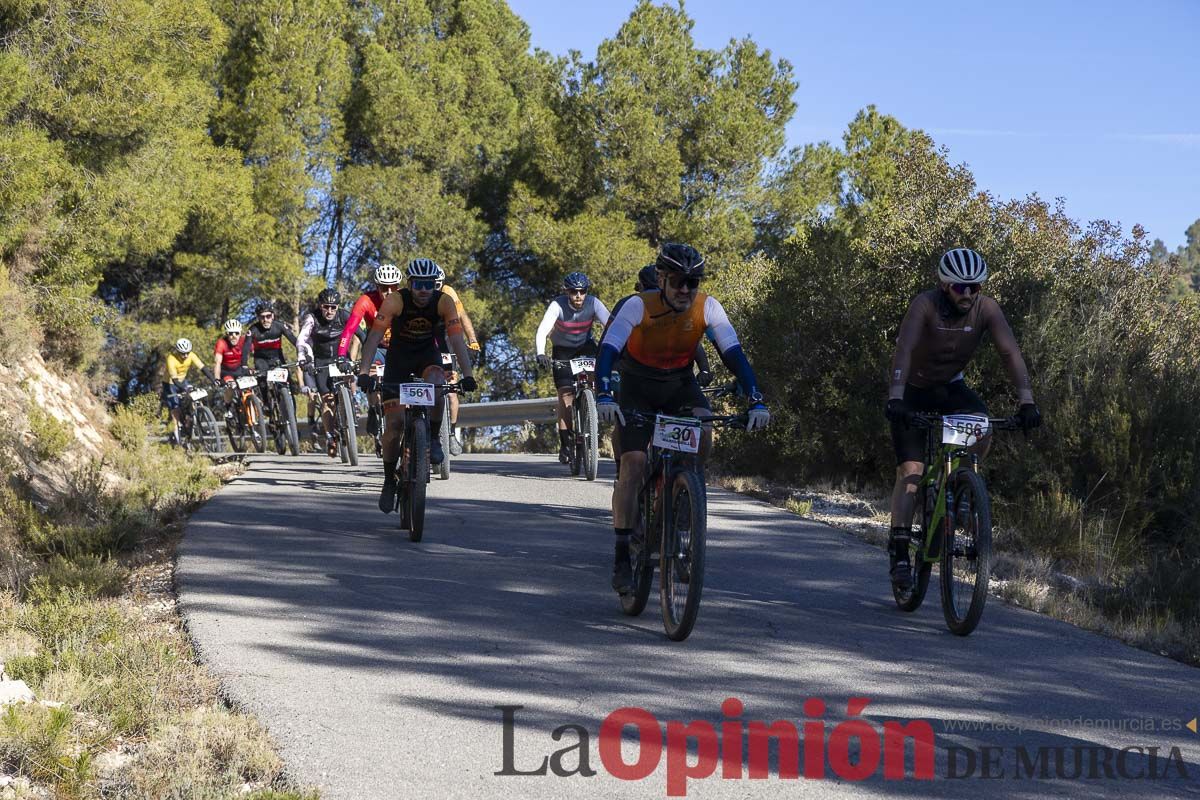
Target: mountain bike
[
  {"x": 952, "y": 525},
  {"x": 197, "y": 429},
  {"x": 585, "y": 452},
  {"x": 375, "y": 418},
  {"x": 345, "y": 431},
  {"x": 412, "y": 472},
  {"x": 672, "y": 521},
  {"x": 280, "y": 408},
  {"x": 247, "y": 421}
]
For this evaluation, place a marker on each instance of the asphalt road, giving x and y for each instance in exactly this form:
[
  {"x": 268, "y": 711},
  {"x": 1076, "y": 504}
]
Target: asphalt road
[{"x": 379, "y": 665}]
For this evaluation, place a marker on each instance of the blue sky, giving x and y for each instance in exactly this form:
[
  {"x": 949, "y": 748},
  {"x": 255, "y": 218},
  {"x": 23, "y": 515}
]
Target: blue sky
[{"x": 1095, "y": 102}]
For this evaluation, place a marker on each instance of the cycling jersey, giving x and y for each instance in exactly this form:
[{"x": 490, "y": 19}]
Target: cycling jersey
[
  {"x": 230, "y": 355},
  {"x": 700, "y": 356},
  {"x": 177, "y": 368},
  {"x": 936, "y": 342},
  {"x": 365, "y": 308},
  {"x": 266, "y": 344},
  {"x": 569, "y": 327},
  {"x": 319, "y": 339}
]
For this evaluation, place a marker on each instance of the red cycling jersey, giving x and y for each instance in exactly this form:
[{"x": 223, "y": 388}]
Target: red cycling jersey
[
  {"x": 230, "y": 355},
  {"x": 366, "y": 308}
]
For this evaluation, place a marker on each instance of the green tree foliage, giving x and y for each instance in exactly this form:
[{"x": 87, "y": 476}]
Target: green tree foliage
[{"x": 1187, "y": 261}]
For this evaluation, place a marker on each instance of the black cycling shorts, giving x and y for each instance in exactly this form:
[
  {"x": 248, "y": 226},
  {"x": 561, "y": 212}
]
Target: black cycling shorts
[
  {"x": 563, "y": 377},
  {"x": 403, "y": 363},
  {"x": 319, "y": 378},
  {"x": 676, "y": 394},
  {"x": 949, "y": 398}
]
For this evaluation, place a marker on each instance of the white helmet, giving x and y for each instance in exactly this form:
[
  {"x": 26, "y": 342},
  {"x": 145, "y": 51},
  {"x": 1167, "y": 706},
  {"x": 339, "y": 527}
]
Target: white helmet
[
  {"x": 184, "y": 346},
  {"x": 441, "y": 274},
  {"x": 425, "y": 268},
  {"x": 387, "y": 275},
  {"x": 962, "y": 265},
  {"x": 233, "y": 326}
]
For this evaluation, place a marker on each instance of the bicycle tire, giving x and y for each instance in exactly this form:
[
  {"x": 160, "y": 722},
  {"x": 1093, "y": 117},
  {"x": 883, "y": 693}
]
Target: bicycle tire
[
  {"x": 683, "y": 570},
  {"x": 911, "y": 599},
  {"x": 591, "y": 435},
  {"x": 972, "y": 570},
  {"x": 347, "y": 431},
  {"x": 290, "y": 433},
  {"x": 575, "y": 451},
  {"x": 258, "y": 423},
  {"x": 640, "y": 554},
  {"x": 444, "y": 437},
  {"x": 418, "y": 475},
  {"x": 210, "y": 434},
  {"x": 235, "y": 430}
]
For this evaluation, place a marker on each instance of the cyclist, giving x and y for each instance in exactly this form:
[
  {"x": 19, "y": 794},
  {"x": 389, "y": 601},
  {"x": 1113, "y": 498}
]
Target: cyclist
[
  {"x": 658, "y": 331},
  {"x": 264, "y": 339},
  {"x": 320, "y": 334},
  {"x": 179, "y": 363},
  {"x": 647, "y": 280},
  {"x": 412, "y": 315},
  {"x": 387, "y": 280},
  {"x": 568, "y": 322},
  {"x": 444, "y": 347},
  {"x": 941, "y": 330},
  {"x": 227, "y": 359}
]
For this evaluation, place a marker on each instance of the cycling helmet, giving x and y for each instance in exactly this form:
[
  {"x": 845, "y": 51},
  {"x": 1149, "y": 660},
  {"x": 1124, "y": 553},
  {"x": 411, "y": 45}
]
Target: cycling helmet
[
  {"x": 424, "y": 268},
  {"x": 441, "y": 273},
  {"x": 962, "y": 265},
  {"x": 648, "y": 277},
  {"x": 329, "y": 297},
  {"x": 387, "y": 275},
  {"x": 261, "y": 307},
  {"x": 682, "y": 258},
  {"x": 233, "y": 326},
  {"x": 184, "y": 346},
  {"x": 577, "y": 280}
]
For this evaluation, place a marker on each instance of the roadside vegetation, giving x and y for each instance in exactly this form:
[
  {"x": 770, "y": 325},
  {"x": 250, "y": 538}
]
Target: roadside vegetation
[{"x": 123, "y": 709}]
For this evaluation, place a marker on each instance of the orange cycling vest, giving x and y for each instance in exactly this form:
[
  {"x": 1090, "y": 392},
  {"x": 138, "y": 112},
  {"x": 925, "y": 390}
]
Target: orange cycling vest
[{"x": 665, "y": 338}]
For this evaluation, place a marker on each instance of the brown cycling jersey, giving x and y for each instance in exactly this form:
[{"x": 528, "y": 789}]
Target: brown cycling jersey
[{"x": 935, "y": 344}]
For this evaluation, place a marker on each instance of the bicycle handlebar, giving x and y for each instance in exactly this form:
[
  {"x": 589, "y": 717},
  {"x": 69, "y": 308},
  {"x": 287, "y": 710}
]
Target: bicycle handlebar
[{"x": 921, "y": 419}]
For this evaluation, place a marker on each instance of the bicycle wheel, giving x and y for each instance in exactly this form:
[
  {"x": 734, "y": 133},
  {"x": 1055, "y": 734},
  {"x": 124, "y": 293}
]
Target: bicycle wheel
[
  {"x": 346, "y": 428},
  {"x": 967, "y": 554},
  {"x": 207, "y": 433},
  {"x": 911, "y": 598},
  {"x": 257, "y": 422},
  {"x": 575, "y": 451},
  {"x": 287, "y": 409},
  {"x": 235, "y": 429},
  {"x": 642, "y": 561},
  {"x": 444, "y": 437},
  {"x": 682, "y": 555},
  {"x": 418, "y": 475},
  {"x": 590, "y": 427}
]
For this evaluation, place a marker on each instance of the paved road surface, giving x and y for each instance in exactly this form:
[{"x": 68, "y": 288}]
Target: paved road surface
[{"x": 378, "y": 664}]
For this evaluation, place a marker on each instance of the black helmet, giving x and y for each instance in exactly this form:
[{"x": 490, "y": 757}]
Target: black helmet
[
  {"x": 681, "y": 258},
  {"x": 264, "y": 306},
  {"x": 576, "y": 280},
  {"x": 329, "y": 297},
  {"x": 648, "y": 277}
]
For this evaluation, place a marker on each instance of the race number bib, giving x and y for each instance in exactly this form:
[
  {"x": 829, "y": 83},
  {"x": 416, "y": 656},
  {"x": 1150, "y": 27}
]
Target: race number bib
[
  {"x": 677, "y": 433},
  {"x": 964, "y": 429},
  {"x": 579, "y": 365},
  {"x": 247, "y": 382},
  {"x": 334, "y": 372},
  {"x": 447, "y": 359},
  {"x": 376, "y": 371},
  {"x": 416, "y": 394},
  {"x": 277, "y": 375},
  {"x": 197, "y": 394}
]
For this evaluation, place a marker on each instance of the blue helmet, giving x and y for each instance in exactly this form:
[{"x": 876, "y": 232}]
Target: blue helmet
[{"x": 577, "y": 280}]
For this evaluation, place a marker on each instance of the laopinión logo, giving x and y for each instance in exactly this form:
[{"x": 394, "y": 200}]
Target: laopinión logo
[
  {"x": 854, "y": 750},
  {"x": 803, "y": 749}
]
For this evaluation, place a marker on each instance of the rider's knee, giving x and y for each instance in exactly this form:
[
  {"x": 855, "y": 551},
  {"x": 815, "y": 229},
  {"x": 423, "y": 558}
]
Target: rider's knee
[{"x": 909, "y": 471}]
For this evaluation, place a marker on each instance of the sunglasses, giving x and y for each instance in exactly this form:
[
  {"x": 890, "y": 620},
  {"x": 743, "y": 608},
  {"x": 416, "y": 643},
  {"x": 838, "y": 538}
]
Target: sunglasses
[
  {"x": 964, "y": 288},
  {"x": 388, "y": 288},
  {"x": 423, "y": 286},
  {"x": 265, "y": 314},
  {"x": 328, "y": 307},
  {"x": 677, "y": 282},
  {"x": 576, "y": 291}
]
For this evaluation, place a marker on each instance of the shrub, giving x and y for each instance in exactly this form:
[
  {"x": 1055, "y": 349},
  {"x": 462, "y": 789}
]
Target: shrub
[{"x": 51, "y": 436}]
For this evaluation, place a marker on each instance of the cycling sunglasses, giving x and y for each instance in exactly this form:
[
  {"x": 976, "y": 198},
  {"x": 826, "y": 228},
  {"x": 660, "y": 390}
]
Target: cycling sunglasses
[
  {"x": 576, "y": 291},
  {"x": 423, "y": 285},
  {"x": 963, "y": 288},
  {"x": 679, "y": 281},
  {"x": 328, "y": 307}
]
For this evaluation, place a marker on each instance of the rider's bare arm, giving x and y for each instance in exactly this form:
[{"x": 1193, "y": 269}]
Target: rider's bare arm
[{"x": 392, "y": 306}]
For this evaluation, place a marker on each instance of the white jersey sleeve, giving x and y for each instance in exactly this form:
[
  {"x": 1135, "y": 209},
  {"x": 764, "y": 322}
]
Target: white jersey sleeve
[{"x": 552, "y": 315}]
